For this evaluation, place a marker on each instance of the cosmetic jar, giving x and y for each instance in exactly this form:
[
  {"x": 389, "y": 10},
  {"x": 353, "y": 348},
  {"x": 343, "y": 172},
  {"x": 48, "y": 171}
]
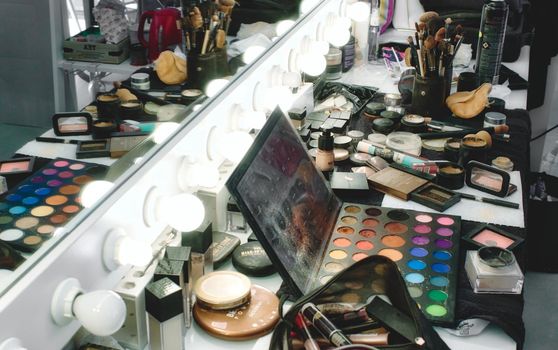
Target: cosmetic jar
[
  {"x": 340, "y": 154},
  {"x": 108, "y": 106},
  {"x": 360, "y": 158},
  {"x": 333, "y": 59},
  {"x": 190, "y": 95},
  {"x": 383, "y": 125},
  {"x": 342, "y": 142},
  {"x": 377, "y": 138},
  {"x": 467, "y": 81},
  {"x": 493, "y": 270},
  {"x": 472, "y": 148},
  {"x": 451, "y": 149},
  {"x": 451, "y": 175},
  {"x": 413, "y": 123},
  {"x": 392, "y": 115},
  {"x": 503, "y": 163},
  {"x": 404, "y": 142},
  {"x": 131, "y": 109},
  {"x": 494, "y": 119},
  {"x": 373, "y": 109},
  {"x": 497, "y": 104},
  {"x": 140, "y": 81},
  {"x": 356, "y": 136},
  {"x": 102, "y": 129},
  {"x": 392, "y": 100},
  {"x": 222, "y": 290}
]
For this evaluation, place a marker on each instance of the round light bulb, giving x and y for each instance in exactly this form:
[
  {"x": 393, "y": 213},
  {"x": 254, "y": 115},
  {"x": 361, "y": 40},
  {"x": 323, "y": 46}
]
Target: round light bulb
[
  {"x": 183, "y": 212},
  {"x": 133, "y": 252},
  {"x": 313, "y": 64},
  {"x": 196, "y": 107},
  {"x": 252, "y": 120},
  {"x": 163, "y": 131},
  {"x": 321, "y": 47},
  {"x": 292, "y": 79},
  {"x": 358, "y": 11},
  {"x": 307, "y": 6},
  {"x": 93, "y": 191},
  {"x": 214, "y": 86},
  {"x": 101, "y": 312},
  {"x": 194, "y": 174},
  {"x": 337, "y": 36},
  {"x": 252, "y": 53},
  {"x": 284, "y": 26},
  {"x": 234, "y": 145}
]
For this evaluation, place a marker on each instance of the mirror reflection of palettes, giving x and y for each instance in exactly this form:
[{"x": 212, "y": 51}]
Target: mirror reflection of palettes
[
  {"x": 425, "y": 246},
  {"x": 31, "y": 212}
]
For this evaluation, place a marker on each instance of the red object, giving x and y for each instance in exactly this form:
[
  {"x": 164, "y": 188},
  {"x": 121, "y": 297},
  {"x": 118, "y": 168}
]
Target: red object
[{"x": 163, "y": 32}]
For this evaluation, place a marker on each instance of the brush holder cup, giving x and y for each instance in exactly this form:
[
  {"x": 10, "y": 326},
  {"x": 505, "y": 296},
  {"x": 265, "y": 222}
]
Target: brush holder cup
[
  {"x": 201, "y": 69},
  {"x": 429, "y": 96}
]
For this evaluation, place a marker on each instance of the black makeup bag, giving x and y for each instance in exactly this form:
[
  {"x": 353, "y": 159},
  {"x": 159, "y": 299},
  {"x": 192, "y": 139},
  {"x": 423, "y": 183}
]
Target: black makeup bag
[{"x": 364, "y": 285}]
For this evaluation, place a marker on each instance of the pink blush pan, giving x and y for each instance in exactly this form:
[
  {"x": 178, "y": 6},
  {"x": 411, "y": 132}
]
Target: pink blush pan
[{"x": 491, "y": 238}]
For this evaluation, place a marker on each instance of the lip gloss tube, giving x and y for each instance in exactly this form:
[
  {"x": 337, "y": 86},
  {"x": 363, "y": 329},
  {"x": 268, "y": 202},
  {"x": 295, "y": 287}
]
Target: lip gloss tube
[
  {"x": 309, "y": 342},
  {"x": 324, "y": 325}
]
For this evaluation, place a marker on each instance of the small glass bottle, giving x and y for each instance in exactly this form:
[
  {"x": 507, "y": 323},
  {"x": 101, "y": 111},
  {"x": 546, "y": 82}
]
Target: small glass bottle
[
  {"x": 325, "y": 157},
  {"x": 374, "y": 34}
]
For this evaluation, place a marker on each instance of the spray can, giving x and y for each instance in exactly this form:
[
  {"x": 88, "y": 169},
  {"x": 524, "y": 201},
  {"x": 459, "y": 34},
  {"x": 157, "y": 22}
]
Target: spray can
[{"x": 491, "y": 41}]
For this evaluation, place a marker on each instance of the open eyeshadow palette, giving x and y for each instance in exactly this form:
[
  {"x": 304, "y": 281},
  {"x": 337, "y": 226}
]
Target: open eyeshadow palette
[
  {"x": 310, "y": 235},
  {"x": 31, "y": 212}
]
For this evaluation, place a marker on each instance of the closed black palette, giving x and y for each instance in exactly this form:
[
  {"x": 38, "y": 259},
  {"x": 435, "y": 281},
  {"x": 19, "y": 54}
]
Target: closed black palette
[
  {"x": 425, "y": 246},
  {"x": 310, "y": 235},
  {"x": 48, "y": 199}
]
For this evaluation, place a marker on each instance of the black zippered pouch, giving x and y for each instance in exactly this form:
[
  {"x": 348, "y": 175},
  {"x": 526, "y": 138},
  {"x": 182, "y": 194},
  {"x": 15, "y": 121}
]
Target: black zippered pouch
[{"x": 364, "y": 286}]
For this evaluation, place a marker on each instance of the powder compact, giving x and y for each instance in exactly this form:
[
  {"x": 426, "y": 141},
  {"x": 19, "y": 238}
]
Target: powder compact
[
  {"x": 492, "y": 236},
  {"x": 222, "y": 290},
  {"x": 310, "y": 235},
  {"x": 70, "y": 124},
  {"x": 493, "y": 270},
  {"x": 250, "y": 258},
  {"x": 488, "y": 179},
  {"x": 17, "y": 166},
  {"x": 451, "y": 175}
]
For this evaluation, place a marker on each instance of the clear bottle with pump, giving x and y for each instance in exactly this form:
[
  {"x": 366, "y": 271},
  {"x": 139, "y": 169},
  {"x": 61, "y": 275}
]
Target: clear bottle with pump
[{"x": 325, "y": 157}]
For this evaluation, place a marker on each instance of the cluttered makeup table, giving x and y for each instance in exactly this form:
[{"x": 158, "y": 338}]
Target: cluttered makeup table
[{"x": 473, "y": 213}]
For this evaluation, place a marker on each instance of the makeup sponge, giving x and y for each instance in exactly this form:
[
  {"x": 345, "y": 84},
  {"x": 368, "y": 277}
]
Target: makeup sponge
[
  {"x": 468, "y": 104},
  {"x": 170, "y": 68}
]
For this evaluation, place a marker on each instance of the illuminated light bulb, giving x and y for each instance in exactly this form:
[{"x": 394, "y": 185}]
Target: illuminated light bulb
[
  {"x": 283, "y": 26},
  {"x": 358, "y": 11},
  {"x": 307, "y": 6},
  {"x": 120, "y": 249},
  {"x": 163, "y": 131},
  {"x": 194, "y": 174},
  {"x": 101, "y": 312},
  {"x": 183, "y": 212},
  {"x": 252, "y": 120},
  {"x": 345, "y": 22},
  {"x": 234, "y": 145},
  {"x": 93, "y": 191},
  {"x": 196, "y": 107},
  {"x": 138, "y": 160},
  {"x": 321, "y": 47},
  {"x": 337, "y": 36},
  {"x": 252, "y": 53},
  {"x": 215, "y": 86},
  {"x": 312, "y": 64}
]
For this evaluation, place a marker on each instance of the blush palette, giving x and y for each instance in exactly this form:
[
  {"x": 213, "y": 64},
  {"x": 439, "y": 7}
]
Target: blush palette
[
  {"x": 31, "y": 212},
  {"x": 425, "y": 246},
  {"x": 310, "y": 235}
]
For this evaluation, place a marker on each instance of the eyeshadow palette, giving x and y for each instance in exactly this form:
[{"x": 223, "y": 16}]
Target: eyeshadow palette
[
  {"x": 30, "y": 213},
  {"x": 310, "y": 235},
  {"x": 425, "y": 246}
]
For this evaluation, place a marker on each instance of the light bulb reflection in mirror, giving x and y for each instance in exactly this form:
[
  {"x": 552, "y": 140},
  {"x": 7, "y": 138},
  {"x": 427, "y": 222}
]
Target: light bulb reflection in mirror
[
  {"x": 252, "y": 53},
  {"x": 358, "y": 11},
  {"x": 215, "y": 86},
  {"x": 93, "y": 191},
  {"x": 163, "y": 131},
  {"x": 283, "y": 26}
]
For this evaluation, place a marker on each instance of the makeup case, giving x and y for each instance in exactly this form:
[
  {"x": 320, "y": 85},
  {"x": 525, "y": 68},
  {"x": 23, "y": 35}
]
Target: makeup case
[{"x": 366, "y": 285}]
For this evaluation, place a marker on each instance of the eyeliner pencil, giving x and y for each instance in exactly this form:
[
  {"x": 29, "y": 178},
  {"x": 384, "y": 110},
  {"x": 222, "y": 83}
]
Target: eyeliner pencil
[
  {"x": 489, "y": 200},
  {"x": 55, "y": 140}
]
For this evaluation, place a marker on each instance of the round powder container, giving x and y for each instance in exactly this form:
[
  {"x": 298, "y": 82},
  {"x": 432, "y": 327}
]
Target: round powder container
[
  {"x": 340, "y": 154},
  {"x": 102, "y": 129},
  {"x": 356, "y": 136},
  {"x": 251, "y": 259},
  {"x": 503, "y": 163},
  {"x": 170, "y": 112},
  {"x": 151, "y": 108},
  {"x": 315, "y": 135},
  {"x": 473, "y": 148},
  {"x": 494, "y": 119},
  {"x": 373, "y": 109},
  {"x": 395, "y": 117},
  {"x": 360, "y": 158},
  {"x": 451, "y": 175},
  {"x": 451, "y": 149},
  {"x": 413, "y": 123},
  {"x": 252, "y": 320},
  {"x": 222, "y": 290},
  {"x": 313, "y": 144},
  {"x": 377, "y": 138},
  {"x": 392, "y": 99},
  {"x": 190, "y": 95},
  {"x": 342, "y": 141},
  {"x": 130, "y": 109},
  {"x": 140, "y": 81},
  {"x": 404, "y": 142},
  {"x": 383, "y": 125}
]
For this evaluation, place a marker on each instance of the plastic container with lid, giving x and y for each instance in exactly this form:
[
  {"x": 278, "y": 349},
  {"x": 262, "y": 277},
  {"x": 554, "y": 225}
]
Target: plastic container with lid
[
  {"x": 494, "y": 119},
  {"x": 404, "y": 142}
]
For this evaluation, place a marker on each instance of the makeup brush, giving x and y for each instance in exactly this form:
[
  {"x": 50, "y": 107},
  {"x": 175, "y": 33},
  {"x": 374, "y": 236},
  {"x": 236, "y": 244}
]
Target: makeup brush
[
  {"x": 414, "y": 58},
  {"x": 447, "y": 23},
  {"x": 429, "y": 45},
  {"x": 434, "y": 24}
]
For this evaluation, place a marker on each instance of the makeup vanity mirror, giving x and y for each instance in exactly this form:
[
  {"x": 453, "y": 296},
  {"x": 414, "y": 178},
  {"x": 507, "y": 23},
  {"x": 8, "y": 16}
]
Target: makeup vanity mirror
[{"x": 48, "y": 199}]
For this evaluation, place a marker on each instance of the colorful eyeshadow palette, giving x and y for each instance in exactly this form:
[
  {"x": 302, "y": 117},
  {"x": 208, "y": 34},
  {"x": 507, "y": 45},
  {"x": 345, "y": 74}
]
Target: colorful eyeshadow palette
[
  {"x": 30, "y": 213},
  {"x": 310, "y": 235}
]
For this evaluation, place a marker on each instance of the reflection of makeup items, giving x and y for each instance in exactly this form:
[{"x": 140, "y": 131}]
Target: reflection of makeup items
[
  {"x": 46, "y": 200},
  {"x": 3, "y": 185},
  {"x": 131, "y": 109},
  {"x": 492, "y": 236},
  {"x": 202, "y": 254},
  {"x": 140, "y": 81},
  {"x": 93, "y": 149},
  {"x": 309, "y": 342},
  {"x": 251, "y": 320},
  {"x": 108, "y": 106},
  {"x": 324, "y": 325},
  {"x": 163, "y": 301},
  {"x": 413, "y": 123},
  {"x": 298, "y": 117},
  {"x": 69, "y": 124},
  {"x": 251, "y": 259},
  {"x": 119, "y": 146},
  {"x": 451, "y": 175},
  {"x": 9, "y": 258},
  {"x": 190, "y": 95},
  {"x": 425, "y": 246},
  {"x": 435, "y": 197},
  {"x": 405, "y": 142},
  {"x": 55, "y": 140},
  {"x": 183, "y": 256},
  {"x": 493, "y": 270},
  {"x": 333, "y": 68},
  {"x": 102, "y": 129},
  {"x": 372, "y": 110},
  {"x": 344, "y": 183},
  {"x": 488, "y": 179},
  {"x": 17, "y": 166}
]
